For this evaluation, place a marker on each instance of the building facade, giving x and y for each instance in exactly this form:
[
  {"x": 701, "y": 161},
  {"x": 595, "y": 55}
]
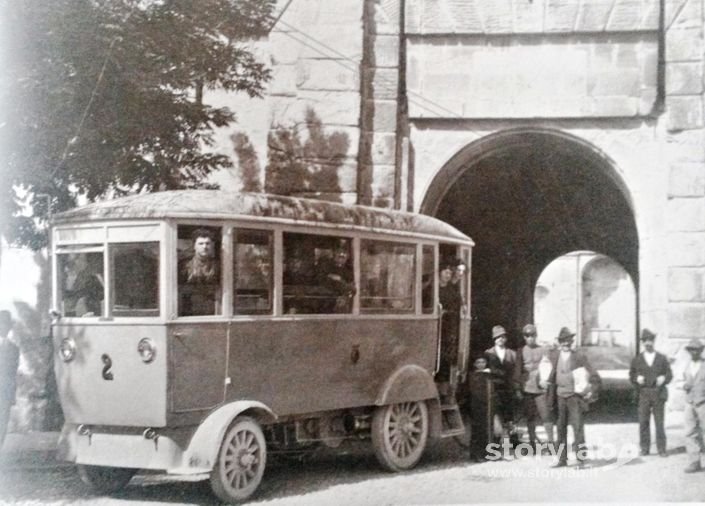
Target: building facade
[{"x": 538, "y": 127}]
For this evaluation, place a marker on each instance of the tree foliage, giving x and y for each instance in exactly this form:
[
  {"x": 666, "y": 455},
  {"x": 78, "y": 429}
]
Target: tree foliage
[{"x": 103, "y": 97}]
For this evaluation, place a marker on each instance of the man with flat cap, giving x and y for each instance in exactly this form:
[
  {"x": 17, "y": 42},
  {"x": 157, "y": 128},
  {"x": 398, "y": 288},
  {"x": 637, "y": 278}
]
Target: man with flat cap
[
  {"x": 694, "y": 413},
  {"x": 650, "y": 372},
  {"x": 501, "y": 362},
  {"x": 531, "y": 389},
  {"x": 573, "y": 385}
]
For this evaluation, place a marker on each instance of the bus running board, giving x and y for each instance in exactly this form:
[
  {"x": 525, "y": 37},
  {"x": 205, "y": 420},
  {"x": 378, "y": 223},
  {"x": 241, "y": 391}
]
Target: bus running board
[{"x": 452, "y": 421}]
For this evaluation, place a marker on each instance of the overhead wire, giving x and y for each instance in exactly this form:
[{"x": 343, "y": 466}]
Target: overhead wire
[{"x": 417, "y": 96}]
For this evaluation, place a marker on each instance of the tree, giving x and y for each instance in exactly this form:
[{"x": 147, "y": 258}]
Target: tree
[{"x": 104, "y": 97}]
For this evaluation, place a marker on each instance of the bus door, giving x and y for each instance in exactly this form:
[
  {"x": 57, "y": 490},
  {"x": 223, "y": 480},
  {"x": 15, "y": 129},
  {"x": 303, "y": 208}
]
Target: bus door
[{"x": 465, "y": 317}]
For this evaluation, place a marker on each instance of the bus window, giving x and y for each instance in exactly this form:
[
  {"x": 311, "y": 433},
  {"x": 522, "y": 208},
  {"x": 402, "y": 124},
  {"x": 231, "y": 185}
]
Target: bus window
[
  {"x": 387, "y": 274},
  {"x": 134, "y": 271},
  {"x": 253, "y": 272},
  {"x": 199, "y": 270},
  {"x": 81, "y": 283},
  {"x": 318, "y": 274},
  {"x": 428, "y": 278}
]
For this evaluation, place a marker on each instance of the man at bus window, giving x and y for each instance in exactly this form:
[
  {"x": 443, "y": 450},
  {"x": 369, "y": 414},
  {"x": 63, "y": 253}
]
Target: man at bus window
[
  {"x": 449, "y": 297},
  {"x": 298, "y": 281},
  {"x": 84, "y": 281},
  {"x": 9, "y": 360},
  {"x": 336, "y": 277},
  {"x": 459, "y": 273},
  {"x": 199, "y": 277}
]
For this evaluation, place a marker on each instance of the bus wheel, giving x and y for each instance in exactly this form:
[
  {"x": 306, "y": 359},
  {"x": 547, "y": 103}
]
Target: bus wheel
[
  {"x": 399, "y": 434},
  {"x": 105, "y": 480},
  {"x": 241, "y": 459}
]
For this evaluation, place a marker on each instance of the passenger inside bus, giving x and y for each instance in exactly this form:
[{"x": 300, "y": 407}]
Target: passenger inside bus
[
  {"x": 298, "y": 282},
  {"x": 83, "y": 289},
  {"x": 199, "y": 275},
  {"x": 336, "y": 276},
  {"x": 252, "y": 271},
  {"x": 450, "y": 298}
]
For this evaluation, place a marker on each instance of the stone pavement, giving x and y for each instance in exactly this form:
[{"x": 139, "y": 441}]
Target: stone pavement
[{"x": 38, "y": 449}]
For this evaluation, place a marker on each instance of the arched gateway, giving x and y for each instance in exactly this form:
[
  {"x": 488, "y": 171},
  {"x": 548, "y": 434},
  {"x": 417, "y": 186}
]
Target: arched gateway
[{"x": 528, "y": 196}]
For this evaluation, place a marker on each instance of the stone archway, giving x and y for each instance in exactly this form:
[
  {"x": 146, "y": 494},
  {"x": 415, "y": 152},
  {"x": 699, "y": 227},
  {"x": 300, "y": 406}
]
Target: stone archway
[{"x": 527, "y": 196}]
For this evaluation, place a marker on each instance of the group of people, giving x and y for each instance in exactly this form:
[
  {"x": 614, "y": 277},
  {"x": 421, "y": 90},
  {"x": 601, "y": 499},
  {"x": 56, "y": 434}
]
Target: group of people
[
  {"x": 540, "y": 382},
  {"x": 324, "y": 287}
]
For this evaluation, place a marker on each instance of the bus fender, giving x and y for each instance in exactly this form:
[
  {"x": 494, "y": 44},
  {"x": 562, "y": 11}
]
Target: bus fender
[
  {"x": 202, "y": 450},
  {"x": 408, "y": 383}
]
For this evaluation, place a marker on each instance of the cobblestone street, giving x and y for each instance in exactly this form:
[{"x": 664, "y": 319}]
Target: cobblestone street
[{"x": 354, "y": 478}]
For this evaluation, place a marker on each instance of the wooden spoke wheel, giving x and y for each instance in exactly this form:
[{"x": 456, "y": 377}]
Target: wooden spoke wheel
[
  {"x": 241, "y": 460},
  {"x": 400, "y": 434},
  {"x": 105, "y": 480}
]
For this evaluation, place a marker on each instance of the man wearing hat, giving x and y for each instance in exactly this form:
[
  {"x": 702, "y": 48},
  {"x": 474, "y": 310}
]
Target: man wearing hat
[
  {"x": 650, "y": 372},
  {"x": 530, "y": 387},
  {"x": 571, "y": 395},
  {"x": 694, "y": 413},
  {"x": 501, "y": 362}
]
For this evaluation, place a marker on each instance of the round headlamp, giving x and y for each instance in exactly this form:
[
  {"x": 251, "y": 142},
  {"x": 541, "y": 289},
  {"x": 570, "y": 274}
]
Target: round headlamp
[
  {"x": 67, "y": 349},
  {"x": 147, "y": 350}
]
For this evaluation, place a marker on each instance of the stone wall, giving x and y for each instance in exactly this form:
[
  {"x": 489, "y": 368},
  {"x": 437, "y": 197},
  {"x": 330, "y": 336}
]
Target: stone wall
[
  {"x": 379, "y": 164},
  {"x": 541, "y": 58},
  {"x": 658, "y": 153},
  {"x": 685, "y": 136},
  {"x": 316, "y": 52}
]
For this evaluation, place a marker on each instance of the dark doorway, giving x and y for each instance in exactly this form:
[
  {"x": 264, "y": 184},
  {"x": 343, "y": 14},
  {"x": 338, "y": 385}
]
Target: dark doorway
[{"x": 527, "y": 197}]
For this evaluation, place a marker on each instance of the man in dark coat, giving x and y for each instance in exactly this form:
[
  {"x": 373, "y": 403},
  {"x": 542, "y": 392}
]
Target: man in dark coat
[
  {"x": 573, "y": 385},
  {"x": 501, "y": 362},
  {"x": 650, "y": 372},
  {"x": 9, "y": 360}
]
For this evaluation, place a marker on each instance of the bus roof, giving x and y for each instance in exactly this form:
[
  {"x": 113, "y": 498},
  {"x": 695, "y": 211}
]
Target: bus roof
[{"x": 220, "y": 204}]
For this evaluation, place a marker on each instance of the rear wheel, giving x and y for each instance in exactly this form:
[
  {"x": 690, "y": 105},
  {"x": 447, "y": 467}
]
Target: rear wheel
[
  {"x": 105, "y": 480},
  {"x": 400, "y": 434},
  {"x": 241, "y": 460}
]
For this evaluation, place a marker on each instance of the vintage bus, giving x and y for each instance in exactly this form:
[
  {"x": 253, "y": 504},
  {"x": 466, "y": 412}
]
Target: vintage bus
[{"x": 198, "y": 332}]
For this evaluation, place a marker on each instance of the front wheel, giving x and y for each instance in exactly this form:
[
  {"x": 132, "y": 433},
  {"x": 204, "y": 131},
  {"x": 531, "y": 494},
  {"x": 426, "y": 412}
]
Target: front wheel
[
  {"x": 241, "y": 459},
  {"x": 105, "y": 480},
  {"x": 399, "y": 434}
]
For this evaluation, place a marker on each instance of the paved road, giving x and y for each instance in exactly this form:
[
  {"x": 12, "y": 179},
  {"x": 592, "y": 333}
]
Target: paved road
[{"x": 443, "y": 477}]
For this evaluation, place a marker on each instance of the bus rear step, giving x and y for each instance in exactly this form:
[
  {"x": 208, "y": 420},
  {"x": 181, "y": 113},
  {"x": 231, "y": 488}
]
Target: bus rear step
[{"x": 452, "y": 421}]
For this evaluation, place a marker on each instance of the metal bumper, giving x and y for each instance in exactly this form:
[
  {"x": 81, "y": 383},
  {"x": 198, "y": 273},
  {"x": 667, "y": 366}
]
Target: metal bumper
[{"x": 149, "y": 450}]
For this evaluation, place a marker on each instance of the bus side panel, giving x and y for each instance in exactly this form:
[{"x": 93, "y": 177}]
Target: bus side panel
[
  {"x": 197, "y": 365},
  {"x": 316, "y": 365},
  {"x": 107, "y": 383}
]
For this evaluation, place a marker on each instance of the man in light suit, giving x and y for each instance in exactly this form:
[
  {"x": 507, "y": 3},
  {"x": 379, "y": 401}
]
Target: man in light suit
[
  {"x": 571, "y": 402},
  {"x": 650, "y": 372},
  {"x": 694, "y": 413}
]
